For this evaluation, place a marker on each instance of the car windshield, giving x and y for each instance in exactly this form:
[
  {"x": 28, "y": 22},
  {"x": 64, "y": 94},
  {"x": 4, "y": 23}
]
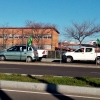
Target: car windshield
[
  {"x": 14, "y": 48},
  {"x": 80, "y": 50}
]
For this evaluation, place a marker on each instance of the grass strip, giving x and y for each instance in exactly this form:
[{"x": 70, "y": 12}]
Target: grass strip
[{"x": 49, "y": 79}]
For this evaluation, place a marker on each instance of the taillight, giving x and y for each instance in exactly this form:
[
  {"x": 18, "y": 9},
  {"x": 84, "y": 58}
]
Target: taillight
[{"x": 43, "y": 52}]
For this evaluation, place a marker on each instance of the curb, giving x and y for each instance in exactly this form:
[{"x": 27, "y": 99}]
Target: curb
[
  {"x": 49, "y": 88},
  {"x": 49, "y": 63}
]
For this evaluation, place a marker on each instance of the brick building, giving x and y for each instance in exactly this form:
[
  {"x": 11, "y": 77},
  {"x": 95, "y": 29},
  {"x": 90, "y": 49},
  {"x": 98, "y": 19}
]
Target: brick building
[{"x": 46, "y": 38}]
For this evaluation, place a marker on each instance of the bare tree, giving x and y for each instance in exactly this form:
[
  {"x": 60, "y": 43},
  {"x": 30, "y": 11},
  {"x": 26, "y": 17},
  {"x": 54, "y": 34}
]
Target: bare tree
[
  {"x": 19, "y": 35},
  {"x": 81, "y": 31},
  {"x": 39, "y": 31},
  {"x": 4, "y": 34},
  {"x": 16, "y": 34}
]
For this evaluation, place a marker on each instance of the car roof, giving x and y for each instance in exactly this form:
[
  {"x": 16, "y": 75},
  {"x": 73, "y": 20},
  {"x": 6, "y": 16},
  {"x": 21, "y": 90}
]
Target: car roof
[
  {"x": 86, "y": 47},
  {"x": 23, "y": 45}
]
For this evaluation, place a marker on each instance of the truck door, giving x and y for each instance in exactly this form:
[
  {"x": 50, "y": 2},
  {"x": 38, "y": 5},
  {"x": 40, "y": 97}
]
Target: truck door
[
  {"x": 79, "y": 54},
  {"x": 89, "y": 55}
]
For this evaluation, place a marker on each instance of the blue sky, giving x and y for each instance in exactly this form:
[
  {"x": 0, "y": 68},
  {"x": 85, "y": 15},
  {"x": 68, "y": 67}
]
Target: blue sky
[{"x": 58, "y": 12}]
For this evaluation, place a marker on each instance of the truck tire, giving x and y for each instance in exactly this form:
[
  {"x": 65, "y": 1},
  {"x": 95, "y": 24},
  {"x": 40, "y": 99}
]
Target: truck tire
[
  {"x": 69, "y": 59},
  {"x": 98, "y": 61},
  {"x": 2, "y": 58},
  {"x": 28, "y": 59}
]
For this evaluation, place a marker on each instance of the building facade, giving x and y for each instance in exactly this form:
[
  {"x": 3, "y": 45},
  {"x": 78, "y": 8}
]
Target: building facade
[{"x": 43, "y": 38}]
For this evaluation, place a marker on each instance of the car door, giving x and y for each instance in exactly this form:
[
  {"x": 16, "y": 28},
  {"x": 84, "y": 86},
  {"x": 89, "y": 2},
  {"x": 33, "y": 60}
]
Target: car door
[
  {"x": 13, "y": 53},
  {"x": 23, "y": 52},
  {"x": 89, "y": 55},
  {"x": 26, "y": 52},
  {"x": 79, "y": 54}
]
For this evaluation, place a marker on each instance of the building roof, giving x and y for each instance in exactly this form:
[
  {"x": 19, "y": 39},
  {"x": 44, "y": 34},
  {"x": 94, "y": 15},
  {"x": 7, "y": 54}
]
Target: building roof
[{"x": 30, "y": 28}]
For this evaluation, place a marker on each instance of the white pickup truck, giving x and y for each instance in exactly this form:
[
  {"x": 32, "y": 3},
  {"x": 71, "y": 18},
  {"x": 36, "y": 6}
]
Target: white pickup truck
[
  {"x": 42, "y": 53},
  {"x": 82, "y": 54}
]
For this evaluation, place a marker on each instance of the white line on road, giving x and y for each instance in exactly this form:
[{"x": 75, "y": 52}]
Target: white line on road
[{"x": 95, "y": 98}]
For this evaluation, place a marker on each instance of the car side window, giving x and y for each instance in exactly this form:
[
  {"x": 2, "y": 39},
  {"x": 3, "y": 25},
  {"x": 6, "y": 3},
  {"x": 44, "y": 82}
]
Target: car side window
[
  {"x": 20, "y": 48},
  {"x": 77, "y": 50},
  {"x": 23, "y": 48},
  {"x": 80, "y": 50},
  {"x": 29, "y": 49},
  {"x": 11, "y": 49},
  {"x": 15, "y": 48},
  {"x": 88, "y": 49}
]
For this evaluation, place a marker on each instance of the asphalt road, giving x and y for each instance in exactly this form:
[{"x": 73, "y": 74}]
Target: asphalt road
[
  {"x": 34, "y": 95},
  {"x": 49, "y": 70}
]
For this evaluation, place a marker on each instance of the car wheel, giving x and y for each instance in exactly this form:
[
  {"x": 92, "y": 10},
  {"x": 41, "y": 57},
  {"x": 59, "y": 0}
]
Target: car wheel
[
  {"x": 69, "y": 59},
  {"x": 2, "y": 58},
  {"x": 28, "y": 59},
  {"x": 98, "y": 61}
]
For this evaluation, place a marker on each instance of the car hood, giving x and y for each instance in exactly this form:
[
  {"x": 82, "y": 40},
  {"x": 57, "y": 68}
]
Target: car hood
[{"x": 68, "y": 53}]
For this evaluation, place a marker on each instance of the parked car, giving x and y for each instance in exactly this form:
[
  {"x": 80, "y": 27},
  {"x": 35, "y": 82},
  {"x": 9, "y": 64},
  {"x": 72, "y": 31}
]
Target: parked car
[
  {"x": 82, "y": 54},
  {"x": 19, "y": 52}
]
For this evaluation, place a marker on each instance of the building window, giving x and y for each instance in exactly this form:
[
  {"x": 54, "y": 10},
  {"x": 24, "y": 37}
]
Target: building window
[
  {"x": 49, "y": 36},
  {"x": 45, "y": 36},
  {"x": 1, "y": 36}
]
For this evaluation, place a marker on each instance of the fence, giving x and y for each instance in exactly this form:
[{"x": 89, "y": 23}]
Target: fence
[{"x": 55, "y": 54}]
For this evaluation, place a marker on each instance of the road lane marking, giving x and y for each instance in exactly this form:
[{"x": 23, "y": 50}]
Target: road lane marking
[{"x": 95, "y": 98}]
